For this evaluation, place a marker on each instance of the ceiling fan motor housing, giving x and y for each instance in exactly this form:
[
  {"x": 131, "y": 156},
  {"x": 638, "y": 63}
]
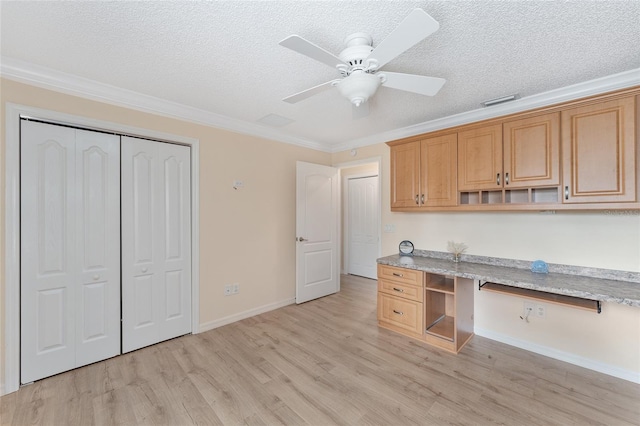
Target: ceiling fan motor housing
[{"x": 359, "y": 47}]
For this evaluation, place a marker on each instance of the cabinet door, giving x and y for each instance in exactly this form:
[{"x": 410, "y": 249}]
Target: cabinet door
[
  {"x": 439, "y": 171},
  {"x": 405, "y": 179},
  {"x": 480, "y": 158},
  {"x": 598, "y": 149},
  {"x": 532, "y": 151}
]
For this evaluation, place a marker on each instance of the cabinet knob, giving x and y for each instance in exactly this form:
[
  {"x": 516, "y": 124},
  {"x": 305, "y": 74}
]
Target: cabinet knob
[
  {"x": 96, "y": 277},
  {"x": 498, "y": 179},
  {"x": 422, "y": 199},
  {"x": 417, "y": 199},
  {"x": 506, "y": 178},
  {"x": 395, "y": 274},
  {"x": 399, "y": 290},
  {"x": 144, "y": 270},
  {"x": 398, "y": 312},
  {"x": 566, "y": 192}
]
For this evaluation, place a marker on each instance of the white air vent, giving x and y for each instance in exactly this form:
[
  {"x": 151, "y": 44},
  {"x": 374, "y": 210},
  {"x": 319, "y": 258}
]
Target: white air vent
[{"x": 275, "y": 120}]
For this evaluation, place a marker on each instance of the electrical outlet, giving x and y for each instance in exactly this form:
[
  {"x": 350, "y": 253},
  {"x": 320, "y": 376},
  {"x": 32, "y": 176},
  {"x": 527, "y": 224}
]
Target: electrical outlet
[
  {"x": 541, "y": 311},
  {"x": 235, "y": 288},
  {"x": 227, "y": 290},
  {"x": 528, "y": 309}
]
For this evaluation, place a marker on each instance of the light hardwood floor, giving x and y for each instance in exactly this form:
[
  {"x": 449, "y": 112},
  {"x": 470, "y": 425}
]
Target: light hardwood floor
[{"x": 324, "y": 362}]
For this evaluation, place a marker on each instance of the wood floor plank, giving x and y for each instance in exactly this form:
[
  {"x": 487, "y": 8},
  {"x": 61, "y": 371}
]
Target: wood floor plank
[{"x": 324, "y": 362}]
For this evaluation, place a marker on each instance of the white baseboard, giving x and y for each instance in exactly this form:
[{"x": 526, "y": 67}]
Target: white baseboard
[
  {"x": 611, "y": 370},
  {"x": 246, "y": 314}
]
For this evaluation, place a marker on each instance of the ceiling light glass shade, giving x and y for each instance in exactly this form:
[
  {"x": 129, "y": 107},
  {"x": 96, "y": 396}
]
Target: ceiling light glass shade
[{"x": 359, "y": 87}]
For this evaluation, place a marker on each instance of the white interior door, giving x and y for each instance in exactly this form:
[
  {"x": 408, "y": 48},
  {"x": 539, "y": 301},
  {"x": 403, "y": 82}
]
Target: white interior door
[
  {"x": 317, "y": 212},
  {"x": 156, "y": 242},
  {"x": 364, "y": 226},
  {"x": 70, "y": 249}
]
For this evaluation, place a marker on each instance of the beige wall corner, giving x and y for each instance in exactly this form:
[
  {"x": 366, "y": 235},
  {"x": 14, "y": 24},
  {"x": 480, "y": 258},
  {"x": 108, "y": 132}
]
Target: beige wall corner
[{"x": 246, "y": 236}]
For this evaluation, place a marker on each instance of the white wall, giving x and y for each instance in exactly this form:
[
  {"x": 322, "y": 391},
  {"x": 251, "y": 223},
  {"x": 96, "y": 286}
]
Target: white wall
[{"x": 608, "y": 342}]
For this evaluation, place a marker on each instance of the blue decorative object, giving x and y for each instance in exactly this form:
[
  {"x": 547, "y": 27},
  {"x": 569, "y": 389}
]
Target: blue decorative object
[{"x": 539, "y": 267}]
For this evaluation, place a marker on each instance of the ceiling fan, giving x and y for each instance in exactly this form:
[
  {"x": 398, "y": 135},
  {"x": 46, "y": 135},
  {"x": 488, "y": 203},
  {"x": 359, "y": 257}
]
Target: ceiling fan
[{"x": 360, "y": 63}]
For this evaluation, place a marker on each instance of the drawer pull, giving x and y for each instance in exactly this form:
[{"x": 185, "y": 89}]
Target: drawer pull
[
  {"x": 395, "y": 274},
  {"x": 398, "y": 312},
  {"x": 399, "y": 290}
]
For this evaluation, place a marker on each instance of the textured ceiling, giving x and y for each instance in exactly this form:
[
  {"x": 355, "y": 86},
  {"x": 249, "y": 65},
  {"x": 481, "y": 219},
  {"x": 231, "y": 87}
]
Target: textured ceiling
[{"x": 224, "y": 57}]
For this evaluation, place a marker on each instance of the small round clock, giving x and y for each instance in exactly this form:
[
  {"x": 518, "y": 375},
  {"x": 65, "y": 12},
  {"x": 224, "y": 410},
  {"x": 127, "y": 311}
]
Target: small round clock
[{"x": 406, "y": 248}]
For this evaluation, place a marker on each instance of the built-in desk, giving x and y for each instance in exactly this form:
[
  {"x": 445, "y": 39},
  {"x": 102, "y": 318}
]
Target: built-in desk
[{"x": 442, "y": 305}]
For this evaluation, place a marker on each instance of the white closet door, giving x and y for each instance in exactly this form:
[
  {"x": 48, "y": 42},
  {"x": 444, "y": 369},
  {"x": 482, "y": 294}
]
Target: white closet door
[
  {"x": 97, "y": 246},
  {"x": 66, "y": 319},
  {"x": 176, "y": 229},
  {"x": 156, "y": 242}
]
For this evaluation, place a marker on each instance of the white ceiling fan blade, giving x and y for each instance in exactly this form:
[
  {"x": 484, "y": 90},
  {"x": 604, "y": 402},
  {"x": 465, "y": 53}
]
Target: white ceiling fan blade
[
  {"x": 301, "y": 96},
  {"x": 361, "y": 111},
  {"x": 421, "y": 84},
  {"x": 305, "y": 47},
  {"x": 413, "y": 29}
]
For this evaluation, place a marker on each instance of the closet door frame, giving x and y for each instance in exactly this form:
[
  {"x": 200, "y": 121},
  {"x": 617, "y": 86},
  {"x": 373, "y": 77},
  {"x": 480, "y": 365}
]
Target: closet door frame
[{"x": 11, "y": 308}]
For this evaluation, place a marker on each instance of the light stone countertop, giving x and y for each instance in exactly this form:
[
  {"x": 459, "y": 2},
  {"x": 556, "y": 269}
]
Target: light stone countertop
[{"x": 625, "y": 292}]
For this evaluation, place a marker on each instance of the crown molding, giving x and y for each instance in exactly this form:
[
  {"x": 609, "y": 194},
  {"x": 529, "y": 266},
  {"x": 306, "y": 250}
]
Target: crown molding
[
  {"x": 597, "y": 86},
  {"x": 47, "y": 78}
]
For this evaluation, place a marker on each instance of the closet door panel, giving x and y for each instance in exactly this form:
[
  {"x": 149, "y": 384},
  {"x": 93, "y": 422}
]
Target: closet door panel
[
  {"x": 156, "y": 242},
  {"x": 47, "y": 269},
  {"x": 142, "y": 244},
  {"x": 98, "y": 246},
  {"x": 176, "y": 196}
]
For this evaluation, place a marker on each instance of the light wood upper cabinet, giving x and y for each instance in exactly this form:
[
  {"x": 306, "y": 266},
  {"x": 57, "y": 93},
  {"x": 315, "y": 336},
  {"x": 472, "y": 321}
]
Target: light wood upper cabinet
[
  {"x": 518, "y": 154},
  {"x": 599, "y": 152},
  {"x": 580, "y": 155},
  {"x": 480, "y": 158},
  {"x": 405, "y": 175},
  {"x": 423, "y": 173},
  {"x": 532, "y": 151},
  {"x": 438, "y": 171}
]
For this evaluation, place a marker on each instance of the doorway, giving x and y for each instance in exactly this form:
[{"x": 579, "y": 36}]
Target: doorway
[{"x": 361, "y": 219}]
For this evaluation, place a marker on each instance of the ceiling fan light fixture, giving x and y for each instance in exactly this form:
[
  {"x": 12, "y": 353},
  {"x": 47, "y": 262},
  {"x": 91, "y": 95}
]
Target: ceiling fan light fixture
[
  {"x": 359, "y": 87},
  {"x": 359, "y": 63}
]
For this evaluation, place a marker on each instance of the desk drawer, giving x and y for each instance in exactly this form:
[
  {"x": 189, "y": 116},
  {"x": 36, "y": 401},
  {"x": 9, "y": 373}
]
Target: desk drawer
[
  {"x": 400, "y": 275},
  {"x": 405, "y": 291},
  {"x": 402, "y": 313}
]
